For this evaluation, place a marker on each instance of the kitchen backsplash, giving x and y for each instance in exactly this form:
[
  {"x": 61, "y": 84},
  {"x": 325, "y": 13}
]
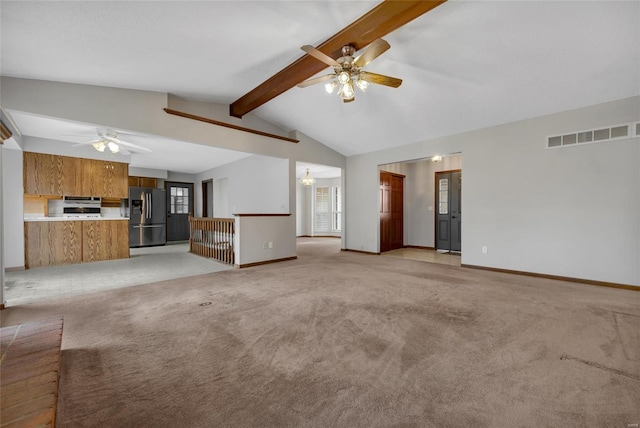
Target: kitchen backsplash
[{"x": 56, "y": 210}]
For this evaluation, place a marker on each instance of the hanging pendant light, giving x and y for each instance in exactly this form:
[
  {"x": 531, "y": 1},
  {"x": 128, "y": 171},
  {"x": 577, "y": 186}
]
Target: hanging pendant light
[{"x": 307, "y": 180}]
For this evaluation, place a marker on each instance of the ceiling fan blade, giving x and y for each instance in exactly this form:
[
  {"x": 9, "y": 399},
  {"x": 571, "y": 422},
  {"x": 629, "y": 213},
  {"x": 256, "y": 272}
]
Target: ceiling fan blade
[
  {"x": 380, "y": 79},
  {"x": 315, "y": 80},
  {"x": 135, "y": 147},
  {"x": 371, "y": 52},
  {"x": 86, "y": 143},
  {"x": 320, "y": 56}
]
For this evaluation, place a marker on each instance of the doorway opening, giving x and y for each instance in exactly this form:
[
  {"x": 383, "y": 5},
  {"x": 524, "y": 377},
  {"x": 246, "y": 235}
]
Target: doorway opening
[
  {"x": 207, "y": 198},
  {"x": 420, "y": 208},
  {"x": 319, "y": 203},
  {"x": 448, "y": 218}
]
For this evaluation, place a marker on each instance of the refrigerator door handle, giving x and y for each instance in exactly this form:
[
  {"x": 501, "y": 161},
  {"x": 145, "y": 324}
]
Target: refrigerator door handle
[{"x": 150, "y": 205}]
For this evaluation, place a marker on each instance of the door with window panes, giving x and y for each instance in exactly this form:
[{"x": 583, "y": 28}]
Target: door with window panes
[
  {"x": 179, "y": 206},
  {"x": 328, "y": 210}
]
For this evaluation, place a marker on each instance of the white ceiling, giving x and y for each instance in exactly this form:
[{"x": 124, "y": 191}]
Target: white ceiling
[
  {"x": 317, "y": 171},
  {"x": 465, "y": 65},
  {"x": 166, "y": 154}
]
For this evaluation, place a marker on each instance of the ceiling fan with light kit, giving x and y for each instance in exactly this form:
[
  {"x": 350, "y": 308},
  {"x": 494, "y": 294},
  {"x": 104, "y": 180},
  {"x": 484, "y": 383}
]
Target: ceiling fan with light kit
[
  {"x": 108, "y": 140},
  {"x": 348, "y": 70}
]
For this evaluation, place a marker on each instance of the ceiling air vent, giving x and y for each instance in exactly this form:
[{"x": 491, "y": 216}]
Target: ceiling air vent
[{"x": 598, "y": 135}]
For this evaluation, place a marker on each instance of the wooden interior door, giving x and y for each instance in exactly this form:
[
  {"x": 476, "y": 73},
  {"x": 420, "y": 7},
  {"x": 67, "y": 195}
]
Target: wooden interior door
[{"x": 391, "y": 211}]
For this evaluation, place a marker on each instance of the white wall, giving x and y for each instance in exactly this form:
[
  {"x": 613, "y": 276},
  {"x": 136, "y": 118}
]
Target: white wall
[
  {"x": 253, "y": 234},
  {"x": 148, "y": 172},
  {"x": 13, "y": 209},
  {"x": 221, "y": 207},
  {"x": 255, "y": 184},
  {"x": 570, "y": 212},
  {"x": 303, "y": 209}
]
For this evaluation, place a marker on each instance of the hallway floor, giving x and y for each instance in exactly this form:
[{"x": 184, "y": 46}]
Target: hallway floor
[
  {"x": 153, "y": 264},
  {"x": 425, "y": 255},
  {"x": 150, "y": 264}
]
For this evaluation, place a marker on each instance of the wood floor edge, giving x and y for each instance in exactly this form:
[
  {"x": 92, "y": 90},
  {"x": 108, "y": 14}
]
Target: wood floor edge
[
  {"x": 419, "y": 247},
  {"x": 266, "y": 262},
  {"x": 556, "y": 277}
]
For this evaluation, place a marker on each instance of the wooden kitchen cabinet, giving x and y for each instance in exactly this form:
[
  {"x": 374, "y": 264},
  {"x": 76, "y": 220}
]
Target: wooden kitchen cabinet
[
  {"x": 63, "y": 175},
  {"x": 143, "y": 182},
  {"x": 105, "y": 240},
  {"x": 105, "y": 179},
  {"x": 51, "y": 243},
  {"x": 51, "y": 175}
]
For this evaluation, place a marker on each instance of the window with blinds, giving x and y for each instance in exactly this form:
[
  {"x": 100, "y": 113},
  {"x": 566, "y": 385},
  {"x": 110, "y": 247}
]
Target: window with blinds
[
  {"x": 337, "y": 210},
  {"x": 328, "y": 209},
  {"x": 322, "y": 209}
]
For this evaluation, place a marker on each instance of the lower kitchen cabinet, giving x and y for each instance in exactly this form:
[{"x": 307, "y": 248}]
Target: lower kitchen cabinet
[
  {"x": 105, "y": 240},
  {"x": 51, "y": 243}
]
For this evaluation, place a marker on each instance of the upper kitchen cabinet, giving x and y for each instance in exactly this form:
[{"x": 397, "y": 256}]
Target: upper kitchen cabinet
[
  {"x": 62, "y": 175},
  {"x": 105, "y": 179},
  {"x": 143, "y": 181},
  {"x": 51, "y": 175}
]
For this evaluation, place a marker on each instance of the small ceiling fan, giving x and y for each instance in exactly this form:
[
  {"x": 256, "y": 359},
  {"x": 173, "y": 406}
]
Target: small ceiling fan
[
  {"x": 108, "y": 139},
  {"x": 347, "y": 70}
]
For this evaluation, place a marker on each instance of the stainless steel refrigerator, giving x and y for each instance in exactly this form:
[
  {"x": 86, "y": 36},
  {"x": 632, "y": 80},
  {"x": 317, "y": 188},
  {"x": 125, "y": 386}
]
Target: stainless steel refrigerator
[{"x": 147, "y": 217}]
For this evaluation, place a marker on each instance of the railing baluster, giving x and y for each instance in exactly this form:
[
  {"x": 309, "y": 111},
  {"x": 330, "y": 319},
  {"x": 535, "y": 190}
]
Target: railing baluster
[{"x": 212, "y": 238}]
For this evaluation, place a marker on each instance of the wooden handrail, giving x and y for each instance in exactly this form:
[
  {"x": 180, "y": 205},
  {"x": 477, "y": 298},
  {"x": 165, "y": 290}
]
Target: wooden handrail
[{"x": 212, "y": 238}]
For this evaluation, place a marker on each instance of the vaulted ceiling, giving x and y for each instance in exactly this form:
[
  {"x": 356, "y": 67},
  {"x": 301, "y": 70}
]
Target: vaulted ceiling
[{"x": 465, "y": 65}]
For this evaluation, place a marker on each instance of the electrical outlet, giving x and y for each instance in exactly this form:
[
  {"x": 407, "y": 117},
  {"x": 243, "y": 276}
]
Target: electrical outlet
[
  {"x": 485, "y": 250},
  {"x": 270, "y": 244}
]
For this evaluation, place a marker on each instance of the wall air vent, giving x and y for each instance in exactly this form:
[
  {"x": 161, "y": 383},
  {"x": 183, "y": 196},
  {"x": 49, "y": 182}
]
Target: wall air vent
[{"x": 599, "y": 135}]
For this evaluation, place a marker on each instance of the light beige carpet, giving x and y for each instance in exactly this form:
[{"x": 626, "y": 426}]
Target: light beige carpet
[{"x": 348, "y": 340}]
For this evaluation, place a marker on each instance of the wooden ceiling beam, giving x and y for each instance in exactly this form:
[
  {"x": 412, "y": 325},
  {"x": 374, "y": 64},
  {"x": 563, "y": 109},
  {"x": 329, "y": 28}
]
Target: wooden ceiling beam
[{"x": 378, "y": 22}]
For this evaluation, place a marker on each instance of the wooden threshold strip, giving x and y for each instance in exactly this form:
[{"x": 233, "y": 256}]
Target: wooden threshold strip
[{"x": 228, "y": 125}]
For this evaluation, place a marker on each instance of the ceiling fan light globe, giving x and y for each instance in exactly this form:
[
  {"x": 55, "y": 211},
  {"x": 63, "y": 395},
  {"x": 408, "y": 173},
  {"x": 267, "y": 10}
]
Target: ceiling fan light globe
[
  {"x": 343, "y": 78},
  {"x": 347, "y": 92},
  {"x": 113, "y": 147},
  {"x": 330, "y": 86},
  {"x": 99, "y": 146},
  {"x": 362, "y": 84}
]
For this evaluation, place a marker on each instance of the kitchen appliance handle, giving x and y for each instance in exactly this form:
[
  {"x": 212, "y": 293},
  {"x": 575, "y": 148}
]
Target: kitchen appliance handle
[
  {"x": 150, "y": 206},
  {"x": 145, "y": 226}
]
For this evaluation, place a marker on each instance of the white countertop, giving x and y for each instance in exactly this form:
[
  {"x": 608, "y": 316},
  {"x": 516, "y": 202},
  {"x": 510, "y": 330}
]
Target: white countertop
[{"x": 72, "y": 219}]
